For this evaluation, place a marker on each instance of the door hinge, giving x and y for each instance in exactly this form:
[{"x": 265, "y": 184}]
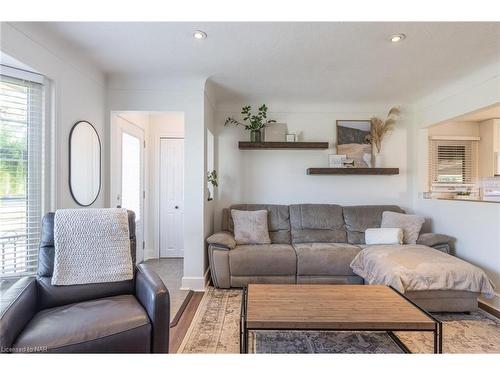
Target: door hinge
[
  {"x": 143, "y": 245},
  {"x": 144, "y": 194},
  {"x": 144, "y": 144}
]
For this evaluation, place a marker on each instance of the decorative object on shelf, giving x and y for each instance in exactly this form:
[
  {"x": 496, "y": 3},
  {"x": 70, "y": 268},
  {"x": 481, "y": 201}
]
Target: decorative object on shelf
[
  {"x": 367, "y": 158},
  {"x": 212, "y": 179},
  {"x": 275, "y": 132},
  {"x": 378, "y": 160},
  {"x": 252, "y": 122},
  {"x": 379, "y": 130},
  {"x": 336, "y": 161},
  {"x": 291, "y": 137},
  {"x": 353, "y": 140},
  {"x": 349, "y": 163}
]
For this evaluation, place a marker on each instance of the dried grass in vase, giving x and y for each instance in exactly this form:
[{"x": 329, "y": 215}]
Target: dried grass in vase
[{"x": 381, "y": 128}]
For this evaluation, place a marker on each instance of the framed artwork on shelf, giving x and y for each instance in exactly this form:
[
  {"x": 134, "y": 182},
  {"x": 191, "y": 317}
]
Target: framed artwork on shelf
[{"x": 353, "y": 141}]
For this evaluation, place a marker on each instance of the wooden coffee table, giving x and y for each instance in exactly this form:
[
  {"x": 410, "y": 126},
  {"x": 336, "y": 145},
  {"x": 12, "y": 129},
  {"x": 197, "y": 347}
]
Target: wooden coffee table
[{"x": 333, "y": 308}]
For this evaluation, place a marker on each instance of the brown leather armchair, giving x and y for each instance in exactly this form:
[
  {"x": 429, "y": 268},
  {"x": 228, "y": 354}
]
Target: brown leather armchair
[{"x": 120, "y": 317}]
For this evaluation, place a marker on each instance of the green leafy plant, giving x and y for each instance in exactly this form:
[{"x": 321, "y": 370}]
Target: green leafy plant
[
  {"x": 212, "y": 178},
  {"x": 251, "y": 122}
]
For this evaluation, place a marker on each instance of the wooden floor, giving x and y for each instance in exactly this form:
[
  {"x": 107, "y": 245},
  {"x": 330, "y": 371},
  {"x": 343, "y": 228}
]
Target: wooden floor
[{"x": 178, "y": 331}]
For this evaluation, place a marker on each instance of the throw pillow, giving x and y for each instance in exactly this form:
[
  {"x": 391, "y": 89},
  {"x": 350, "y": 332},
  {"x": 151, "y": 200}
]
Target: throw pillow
[
  {"x": 384, "y": 236},
  {"x": 250, "y": 227},
  {"x": 410, "y": 224}
]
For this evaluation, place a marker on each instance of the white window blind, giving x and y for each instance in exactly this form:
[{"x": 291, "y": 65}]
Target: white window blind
[
  {"x": 21, "y": 175},
  {"x": 452, "y": 164}
]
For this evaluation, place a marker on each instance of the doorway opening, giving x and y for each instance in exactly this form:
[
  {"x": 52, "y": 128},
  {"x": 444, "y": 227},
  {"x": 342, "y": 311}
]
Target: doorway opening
[{"x": 147, "y": 177}]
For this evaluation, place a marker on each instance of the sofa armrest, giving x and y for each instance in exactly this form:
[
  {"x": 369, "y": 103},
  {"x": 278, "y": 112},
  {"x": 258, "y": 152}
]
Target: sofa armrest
[
  {"x": 222, "y": 239},
  {"x": 218, "y": 258},
  {"x": 153, "y": 295},
  {"x": 17, "y": 308},
  {"x": 438, "y": 241}
]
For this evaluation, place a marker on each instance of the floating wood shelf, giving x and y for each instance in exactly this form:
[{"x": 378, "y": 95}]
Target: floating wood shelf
[
  {"x": 355, "y": 171},
  {"x": 283, "y": 145}
]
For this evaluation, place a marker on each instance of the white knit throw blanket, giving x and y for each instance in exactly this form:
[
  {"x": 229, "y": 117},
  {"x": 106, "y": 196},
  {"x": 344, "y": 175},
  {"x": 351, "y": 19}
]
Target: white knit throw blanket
[{"x": 91, "y": 246}]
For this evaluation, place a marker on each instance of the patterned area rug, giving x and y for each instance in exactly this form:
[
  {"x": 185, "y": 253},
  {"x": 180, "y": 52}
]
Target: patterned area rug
[{"x": 215, "y": 329}]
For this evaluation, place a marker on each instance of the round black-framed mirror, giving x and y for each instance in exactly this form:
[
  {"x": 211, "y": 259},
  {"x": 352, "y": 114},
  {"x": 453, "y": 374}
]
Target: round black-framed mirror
[{"x": 84, "y": 163}]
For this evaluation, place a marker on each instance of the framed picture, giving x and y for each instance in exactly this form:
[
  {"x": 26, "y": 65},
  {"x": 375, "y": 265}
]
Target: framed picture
[
  {"x": 290, "y": 138},
  {"x": 353, "y": 141},
  {"x": 275, "y": 132}
]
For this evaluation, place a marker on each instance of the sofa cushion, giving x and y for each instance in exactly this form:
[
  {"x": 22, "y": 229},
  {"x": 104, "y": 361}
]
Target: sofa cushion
[
  {"x": 317, "y": 223},
  {"x": 360, "y": 218},
  {"x": 324, "y": 259},
  {"x": 262, "y": 260},
  {"x": 278, "y": 220},
  {"x": 114, "y": 324},
  {"x": 250, "y": 227},
  {"x": 410, "y": 224}
]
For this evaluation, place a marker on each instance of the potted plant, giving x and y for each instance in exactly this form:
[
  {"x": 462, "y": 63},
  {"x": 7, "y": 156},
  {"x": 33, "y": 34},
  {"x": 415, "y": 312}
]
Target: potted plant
[
  {"x": 252, "y": 122},
  {"x": 379, "y": 129},
  {"x": 212, "y": 179}
]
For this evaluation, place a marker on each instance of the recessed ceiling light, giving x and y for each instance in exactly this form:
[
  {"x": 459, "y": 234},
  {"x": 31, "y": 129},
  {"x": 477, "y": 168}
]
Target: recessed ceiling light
[
  {"x": 198, "y": 34},
  {"x": 397, "y": 38}
]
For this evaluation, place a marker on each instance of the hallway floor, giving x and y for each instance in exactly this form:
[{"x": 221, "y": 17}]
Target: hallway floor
[{"x": 170, "y": 271}]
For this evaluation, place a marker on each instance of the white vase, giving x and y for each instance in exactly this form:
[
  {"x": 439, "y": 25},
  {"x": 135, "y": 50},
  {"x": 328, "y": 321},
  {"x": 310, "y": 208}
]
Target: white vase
[{"x": 379, "y": 160}]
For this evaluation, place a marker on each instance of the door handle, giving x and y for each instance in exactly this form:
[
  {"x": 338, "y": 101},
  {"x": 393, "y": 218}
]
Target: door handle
[{"x": 176, "y": 207}]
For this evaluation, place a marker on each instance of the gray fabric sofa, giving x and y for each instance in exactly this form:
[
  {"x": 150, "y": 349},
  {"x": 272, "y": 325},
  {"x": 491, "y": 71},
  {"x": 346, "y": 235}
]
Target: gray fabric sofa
[{"x": 313, "y": 243}]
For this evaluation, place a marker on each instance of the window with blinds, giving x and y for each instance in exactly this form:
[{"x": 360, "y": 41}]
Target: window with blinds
[
  {"x": 452, "y": 164},
  {"x": 21, "y": 175}
]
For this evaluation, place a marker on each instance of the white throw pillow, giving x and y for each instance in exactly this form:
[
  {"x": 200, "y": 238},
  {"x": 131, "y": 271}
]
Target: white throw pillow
[
  {"x": 384, "y": 236},
  {"x": 250, "y": 227},
  {"x": 411, "y": 225}
]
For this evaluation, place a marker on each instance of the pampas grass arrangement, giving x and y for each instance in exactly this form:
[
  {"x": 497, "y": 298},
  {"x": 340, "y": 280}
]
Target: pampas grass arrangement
[{"x": 382, "y": 128}]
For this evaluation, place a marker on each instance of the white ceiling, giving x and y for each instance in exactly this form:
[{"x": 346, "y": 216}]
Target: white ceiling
[{"x": 337, "y": 62}]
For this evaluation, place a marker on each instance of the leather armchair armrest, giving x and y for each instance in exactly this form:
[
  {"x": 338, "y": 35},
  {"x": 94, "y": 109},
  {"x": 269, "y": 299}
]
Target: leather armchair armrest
[
  {"x": 17, "y": 308},
  {"x": 153, "y": 295},
  {"x": 438, "y": 241},
  {"x": 222, "y": 240}
]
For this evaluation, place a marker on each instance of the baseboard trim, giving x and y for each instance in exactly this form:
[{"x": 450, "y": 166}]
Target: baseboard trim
[
  {"x": 196, "y": 284},
  {"x": 181, "y": 309},
  {"x": 489, "y": 309}
]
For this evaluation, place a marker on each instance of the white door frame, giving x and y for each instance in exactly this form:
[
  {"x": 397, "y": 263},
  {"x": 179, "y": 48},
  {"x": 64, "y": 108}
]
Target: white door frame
[{"x": 116, "y": 170}]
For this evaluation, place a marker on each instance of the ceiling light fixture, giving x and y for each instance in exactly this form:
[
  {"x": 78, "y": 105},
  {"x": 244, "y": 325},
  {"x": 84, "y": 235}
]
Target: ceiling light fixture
[
  {"x": 198, "y": 34},
  {"x": 397, "y": 38}
]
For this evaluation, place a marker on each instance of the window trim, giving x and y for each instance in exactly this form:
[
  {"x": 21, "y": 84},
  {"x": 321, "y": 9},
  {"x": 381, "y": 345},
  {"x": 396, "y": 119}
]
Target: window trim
[{"x": 47, "y": 150}]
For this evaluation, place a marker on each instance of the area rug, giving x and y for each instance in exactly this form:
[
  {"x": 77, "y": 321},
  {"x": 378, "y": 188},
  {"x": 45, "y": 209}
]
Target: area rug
[{"x": 215, "y": 329}]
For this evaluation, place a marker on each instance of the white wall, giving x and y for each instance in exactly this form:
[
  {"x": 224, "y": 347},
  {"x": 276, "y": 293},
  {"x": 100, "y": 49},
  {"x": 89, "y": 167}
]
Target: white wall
[
  {"x": 209, "y": 105},
  {"x": 167, "y": 94},
  {"x": 459, "y": 128},
  {"x": 279, "y": 176},
  {"x": 475, "y": 225},
  {"x": 77, "y": 89}
]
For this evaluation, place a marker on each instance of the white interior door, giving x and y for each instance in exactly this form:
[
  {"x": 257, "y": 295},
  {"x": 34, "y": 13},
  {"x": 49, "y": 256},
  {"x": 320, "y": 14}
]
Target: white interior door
[
  {"x": 171, "y": 197},
  {"x": 130, "y": 185}
]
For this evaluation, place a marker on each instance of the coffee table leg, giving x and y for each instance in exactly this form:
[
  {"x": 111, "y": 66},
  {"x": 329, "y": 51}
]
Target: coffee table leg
[
  {"x": 243, "y": 324},
  {"x": 438, "y": 338},
  {"x": 398, "y": 342}
]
